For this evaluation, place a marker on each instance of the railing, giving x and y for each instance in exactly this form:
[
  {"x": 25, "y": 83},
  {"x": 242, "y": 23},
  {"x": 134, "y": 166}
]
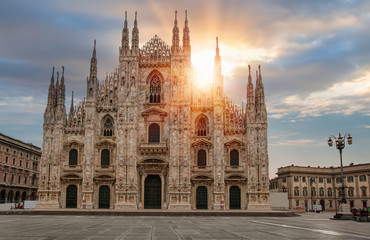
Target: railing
[
  {"x": 202, "y": 169},
  {"x": 153, "y": 148},
  {"x": 105, "y": 168},
  {"x": 235, "y": 168},
  {"x": 72, "y": 168}
]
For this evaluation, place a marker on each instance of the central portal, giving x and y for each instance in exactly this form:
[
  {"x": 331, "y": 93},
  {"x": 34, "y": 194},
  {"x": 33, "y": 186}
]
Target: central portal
[{"x": 153, "y": 192}]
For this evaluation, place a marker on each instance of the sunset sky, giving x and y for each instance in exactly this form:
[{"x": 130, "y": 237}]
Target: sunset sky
[{"x": 315, "y": 59}]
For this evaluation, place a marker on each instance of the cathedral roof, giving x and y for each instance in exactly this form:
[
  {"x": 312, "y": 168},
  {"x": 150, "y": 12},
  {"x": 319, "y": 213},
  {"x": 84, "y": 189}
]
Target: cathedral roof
[{"x": 155, "y": 50}]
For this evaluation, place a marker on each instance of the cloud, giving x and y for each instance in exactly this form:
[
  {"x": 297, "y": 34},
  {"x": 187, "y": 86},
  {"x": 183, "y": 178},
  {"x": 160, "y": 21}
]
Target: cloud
[
  {"x": 293, "y": 143},
  {"x": 277, "y": 115},
  {"x": 347, "y": 98}
]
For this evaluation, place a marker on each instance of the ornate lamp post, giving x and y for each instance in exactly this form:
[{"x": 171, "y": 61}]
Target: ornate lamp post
[{"x": 340, "y": 144}]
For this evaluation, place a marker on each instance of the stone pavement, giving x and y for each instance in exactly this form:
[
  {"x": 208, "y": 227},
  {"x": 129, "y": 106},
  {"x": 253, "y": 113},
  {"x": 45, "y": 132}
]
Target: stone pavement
[{"x": 307, "y": 226}]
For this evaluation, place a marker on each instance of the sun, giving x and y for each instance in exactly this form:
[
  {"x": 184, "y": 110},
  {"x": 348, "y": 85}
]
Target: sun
[{"x": 203, "y": 63}]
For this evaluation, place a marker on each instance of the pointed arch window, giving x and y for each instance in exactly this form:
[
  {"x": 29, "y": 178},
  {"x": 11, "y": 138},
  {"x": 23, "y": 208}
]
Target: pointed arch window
[
  {"x": 155, "y": 90},
  {"x": 73, "y": 157},
  {"x": 107, "y": 128},
  {"x": 105, "y": 157},
  {"x": 154, "y": 133},
  {"x": 234, "y": 158},
  {"x": 201, "y": 129},
  {"x": 202, "y": 158}
]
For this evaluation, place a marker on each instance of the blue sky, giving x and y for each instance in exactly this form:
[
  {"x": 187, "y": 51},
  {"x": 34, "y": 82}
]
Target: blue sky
[{"x": 315, "y": 58}]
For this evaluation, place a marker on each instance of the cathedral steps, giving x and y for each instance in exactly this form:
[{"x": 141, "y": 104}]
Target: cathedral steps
[{"x": 150, "y": 212}]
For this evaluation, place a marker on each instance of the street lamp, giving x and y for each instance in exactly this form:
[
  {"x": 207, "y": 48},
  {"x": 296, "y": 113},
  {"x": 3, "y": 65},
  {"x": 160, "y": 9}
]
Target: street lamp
[{"x": 340, "y": 144}]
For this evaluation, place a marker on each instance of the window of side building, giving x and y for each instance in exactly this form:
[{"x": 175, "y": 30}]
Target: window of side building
[
  {"x": 321, "y": 192},
  {"x": 305, "y": 192},
  {"x": 338, "y": 179},
  {"x": 296, "y": 191},
  {"x": 362, "y": 178},
  {"x": 328, "y": 180},
  {"x": 364, "y": 190},
  {"x": 350, "y": 179},
  {"x": 313, "y": 191},
  {"x": 321, "y": 179},
  {"x": 330, "y": 192},
  {"x": 284, "y": 179},
  {"x": 295, "y": 178},
  {"x": 303, "y": 179},
  {"x": 350, "y": 192}
]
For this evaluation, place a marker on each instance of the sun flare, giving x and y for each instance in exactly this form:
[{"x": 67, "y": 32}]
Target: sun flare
[{"x": 203, "y": 63}]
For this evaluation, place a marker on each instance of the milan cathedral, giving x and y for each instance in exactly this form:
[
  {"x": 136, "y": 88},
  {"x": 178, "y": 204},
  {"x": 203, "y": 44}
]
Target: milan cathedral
[{"x": 146, "y": 137}]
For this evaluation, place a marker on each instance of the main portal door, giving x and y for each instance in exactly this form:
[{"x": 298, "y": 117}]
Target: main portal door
[
  {"x": 71, "y": 198},
  {"x": 234, "y": 197},
  {"x": 202, "y": 199},
  {"x": 104, "y": 197},
  {"x": 153, "y": 192}
]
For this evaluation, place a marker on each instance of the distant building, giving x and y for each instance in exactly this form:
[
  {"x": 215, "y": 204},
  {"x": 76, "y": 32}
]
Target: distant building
[
  {"x": 326, "y": 185},
  {"x": 19, "y": 164}
]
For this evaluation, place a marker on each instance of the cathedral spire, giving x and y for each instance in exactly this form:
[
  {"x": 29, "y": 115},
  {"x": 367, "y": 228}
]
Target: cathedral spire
[
  {"x": 186, "y": 35},
  {"x": 92, "y": 81},
  {"x": 259, "y": 86},
  {"x": 57, "y": 84},
  {"x": 62, "y": 79},
  {"x": 217, "y": 73},
  {"x": 93, "y": 63},
  {"x": 250, "y": 108},
  {"x": 51, "y": 97},
  {"x": 250, "y": 94},
  {"x": 71, "y": 110},
  {"x": 52, "y": 78},
  {"x": 175, "y": 35},
  {"x": 261, "y": 113},
  {"x": 217, "y": 60},
  {"x": 62, "y": 88},
  {"x": 135, "y": 35},
  {"x": 49, "y": 110},
  {"x": 125, "y": 35}
]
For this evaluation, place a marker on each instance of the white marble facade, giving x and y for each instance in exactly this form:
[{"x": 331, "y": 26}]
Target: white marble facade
[{"x": 146, "y": 137}]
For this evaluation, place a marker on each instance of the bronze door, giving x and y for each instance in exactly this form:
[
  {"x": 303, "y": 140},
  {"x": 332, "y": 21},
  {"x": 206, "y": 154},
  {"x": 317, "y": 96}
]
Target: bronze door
[
  {"x": 104, "y": 197},
  {"x": 234, "y": 197},
  {"x": 71, "y": 199},
  {"x": 153, "y": 192},
  {"x": 202, "y": 198}
]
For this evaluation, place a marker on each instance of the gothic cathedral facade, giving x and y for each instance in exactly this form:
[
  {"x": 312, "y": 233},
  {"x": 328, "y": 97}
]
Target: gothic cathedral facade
[{"x": 147, "y": 138}]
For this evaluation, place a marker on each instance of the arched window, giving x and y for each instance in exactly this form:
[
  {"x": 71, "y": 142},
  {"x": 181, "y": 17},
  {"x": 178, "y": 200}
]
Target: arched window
[
  {"x": 154, "y": 133},
  {"x": 107, "y": 128},
  {"x": 330, "y": 192},
  {"x": 305, "y": 192},
  {"x": 105, "y": 157},
  {"x": 313, "y": 191},
  {"x": 33, "y": 179},
  {"x": 73, "y": 156},
  {"x": 321, "y": 192},
  {"x": 201, "y": 128},
  {"x": 234, "y": 158},
  {"x": 296, "y": 191},
  {"x": 350, "y": 192},
  {"x": 155, "y": 90},
  {"x": 202, "y": 158}
]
